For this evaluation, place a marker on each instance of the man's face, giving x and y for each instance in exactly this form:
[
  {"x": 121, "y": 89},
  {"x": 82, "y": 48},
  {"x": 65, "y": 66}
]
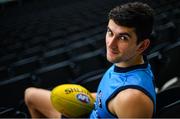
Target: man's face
[{"x": 121, "y": 43}]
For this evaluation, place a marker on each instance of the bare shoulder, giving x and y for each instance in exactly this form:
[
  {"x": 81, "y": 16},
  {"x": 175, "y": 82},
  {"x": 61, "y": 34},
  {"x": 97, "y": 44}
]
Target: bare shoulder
[
  {"x": 132, "y": 103},
  {"x": 131, "y": 95}
]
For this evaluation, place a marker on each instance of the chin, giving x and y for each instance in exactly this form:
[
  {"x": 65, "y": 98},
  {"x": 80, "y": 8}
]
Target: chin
[{"x": 112, "y": 60}]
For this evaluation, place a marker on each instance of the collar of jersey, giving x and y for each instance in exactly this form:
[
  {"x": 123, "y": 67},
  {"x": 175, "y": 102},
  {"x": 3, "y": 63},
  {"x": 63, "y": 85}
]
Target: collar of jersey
[{"x": 127, "y": 69}]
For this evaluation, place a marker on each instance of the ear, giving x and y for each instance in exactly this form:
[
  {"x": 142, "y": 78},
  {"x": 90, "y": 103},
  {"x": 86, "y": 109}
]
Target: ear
[{"x": 143, "y": 45}]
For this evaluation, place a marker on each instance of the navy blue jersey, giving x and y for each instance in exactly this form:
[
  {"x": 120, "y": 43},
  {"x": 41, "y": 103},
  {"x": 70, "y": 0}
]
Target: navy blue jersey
[{"x": 117, "y": 79}]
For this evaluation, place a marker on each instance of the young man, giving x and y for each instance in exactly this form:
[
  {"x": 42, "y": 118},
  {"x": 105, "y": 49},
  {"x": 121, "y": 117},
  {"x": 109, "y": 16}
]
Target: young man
[{"x": 126, "y": 89}]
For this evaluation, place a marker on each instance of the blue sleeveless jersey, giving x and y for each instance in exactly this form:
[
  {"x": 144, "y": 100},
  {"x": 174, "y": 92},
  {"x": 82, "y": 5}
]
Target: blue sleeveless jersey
[{"x": 117, "y": 79}]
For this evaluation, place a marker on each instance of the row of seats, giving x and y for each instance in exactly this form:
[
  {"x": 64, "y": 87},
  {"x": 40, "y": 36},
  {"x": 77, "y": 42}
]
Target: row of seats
[
  {"x": 37, "y": 57},
  {"x": 53, "y": 56},
  {"x": 46, "y": 43}
]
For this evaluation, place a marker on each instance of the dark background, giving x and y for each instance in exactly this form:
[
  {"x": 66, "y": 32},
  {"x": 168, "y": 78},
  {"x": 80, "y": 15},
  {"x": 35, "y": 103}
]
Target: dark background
[{"x": 44, "y": 43}]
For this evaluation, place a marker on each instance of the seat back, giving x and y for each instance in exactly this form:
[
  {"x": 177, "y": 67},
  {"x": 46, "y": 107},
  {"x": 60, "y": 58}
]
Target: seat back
[
  {"x": 170, "y": 111},
  {"x": 168, "y": 102}
]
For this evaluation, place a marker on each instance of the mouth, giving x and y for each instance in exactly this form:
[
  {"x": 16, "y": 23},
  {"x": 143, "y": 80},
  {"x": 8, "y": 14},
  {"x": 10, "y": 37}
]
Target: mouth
[{"x": 112, "y": 52}]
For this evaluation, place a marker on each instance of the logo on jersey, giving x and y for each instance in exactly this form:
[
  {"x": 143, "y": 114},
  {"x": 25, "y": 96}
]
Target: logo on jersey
[
  {"x": 83, "y": 98},
  {"x": 99, "y": 96}
]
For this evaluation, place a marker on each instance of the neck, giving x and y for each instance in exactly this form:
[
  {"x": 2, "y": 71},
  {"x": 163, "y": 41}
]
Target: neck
[{"x": 133, "y": 61}]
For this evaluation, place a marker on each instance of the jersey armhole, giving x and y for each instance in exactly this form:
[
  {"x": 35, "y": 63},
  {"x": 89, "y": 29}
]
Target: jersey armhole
[{"x": 132, "y": 87}]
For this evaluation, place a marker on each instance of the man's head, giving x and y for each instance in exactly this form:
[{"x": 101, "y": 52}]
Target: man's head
[
  {"x": 128, "y": 31},
  {"x": 137, "y": 15}
]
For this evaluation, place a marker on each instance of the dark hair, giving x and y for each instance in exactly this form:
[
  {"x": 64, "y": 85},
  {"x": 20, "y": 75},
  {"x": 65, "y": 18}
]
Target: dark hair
[{"x": 134, "y": 14}]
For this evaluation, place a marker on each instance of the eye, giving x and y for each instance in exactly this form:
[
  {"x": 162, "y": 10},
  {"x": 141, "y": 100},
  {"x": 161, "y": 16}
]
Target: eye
[
  {"x": 123, "y": 37},
  {"x": 109, "y": 32}
]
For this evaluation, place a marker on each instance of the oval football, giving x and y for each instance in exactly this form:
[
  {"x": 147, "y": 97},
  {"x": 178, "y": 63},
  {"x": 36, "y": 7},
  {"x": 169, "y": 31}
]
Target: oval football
[{"x": 72, "y": 100}]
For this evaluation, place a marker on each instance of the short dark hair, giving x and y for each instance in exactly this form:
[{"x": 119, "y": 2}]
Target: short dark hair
[{"x": 134, "y": 14}]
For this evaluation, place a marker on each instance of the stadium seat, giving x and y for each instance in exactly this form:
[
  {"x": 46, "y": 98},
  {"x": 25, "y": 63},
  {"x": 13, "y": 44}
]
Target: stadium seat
[
  {"x": 170, "y": 111},
  {"x": 90, "y": 80},
  {"x": 45, "y": 43},
  {"x": 168, "y": 101},
  {"x": 53, "y": 75},
  {"x": 12, "y": 90}
]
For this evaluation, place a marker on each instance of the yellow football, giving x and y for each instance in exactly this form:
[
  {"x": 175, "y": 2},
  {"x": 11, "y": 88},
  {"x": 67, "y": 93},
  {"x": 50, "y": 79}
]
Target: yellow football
[{"x": 72, "y": 100}]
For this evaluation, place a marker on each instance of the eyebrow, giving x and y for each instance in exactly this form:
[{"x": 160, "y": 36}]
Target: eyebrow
[{"x": 121, "y": 34}]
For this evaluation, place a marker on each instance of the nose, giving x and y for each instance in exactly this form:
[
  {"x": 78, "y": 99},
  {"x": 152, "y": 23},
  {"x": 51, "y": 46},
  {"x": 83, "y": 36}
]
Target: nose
[{"x": 112, "y": 42}]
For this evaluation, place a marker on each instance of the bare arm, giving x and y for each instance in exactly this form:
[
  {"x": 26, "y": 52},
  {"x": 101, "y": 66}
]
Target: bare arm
[
  {"x": 131, "y": 103},
  {"x": 93, "y": 95}
]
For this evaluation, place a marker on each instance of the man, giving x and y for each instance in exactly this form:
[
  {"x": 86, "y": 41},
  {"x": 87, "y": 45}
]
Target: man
[{"x": 126, "y": 89}]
